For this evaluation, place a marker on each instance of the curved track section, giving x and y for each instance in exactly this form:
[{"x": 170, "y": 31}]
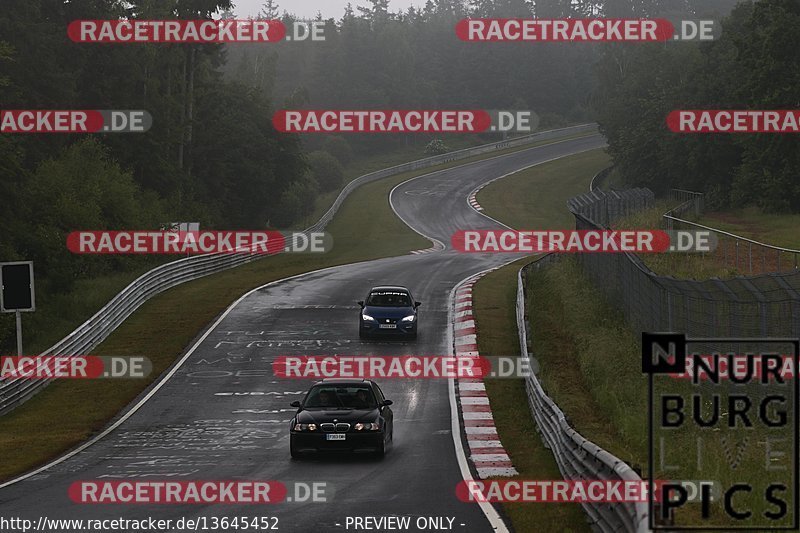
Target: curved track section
[{"x": 222, "y": 415}]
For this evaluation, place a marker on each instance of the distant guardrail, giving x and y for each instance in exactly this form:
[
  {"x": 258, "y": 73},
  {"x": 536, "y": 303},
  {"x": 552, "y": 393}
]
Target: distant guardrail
[
  {"x": 599, "y": 178},
  {"x": 577, "y": 457},
  {"x": 91, "y": 333},
  {"x": 446, "y": 158}
]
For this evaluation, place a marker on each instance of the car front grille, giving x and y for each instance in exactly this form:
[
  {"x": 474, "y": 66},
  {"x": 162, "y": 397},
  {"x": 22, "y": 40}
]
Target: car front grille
[{"x": 340, "y": 427}]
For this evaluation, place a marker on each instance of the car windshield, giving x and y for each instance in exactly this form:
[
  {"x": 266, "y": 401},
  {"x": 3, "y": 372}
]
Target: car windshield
[
  {"x": 389, "y": 299},
  {"x": 341, "y": 397}
]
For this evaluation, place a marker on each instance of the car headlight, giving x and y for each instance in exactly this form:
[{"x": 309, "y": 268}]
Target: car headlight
[
  {"x": 305, "y": 427},
  {"x": 369, "y": 426},
  {"x": 366, "y": 317},
  {"x": 409, "y": 318}
]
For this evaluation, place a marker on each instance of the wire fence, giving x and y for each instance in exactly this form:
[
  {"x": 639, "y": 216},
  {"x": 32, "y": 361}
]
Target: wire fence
[
  {"x": 763, "y": 305},
  {"x": 740, "y": 253}
]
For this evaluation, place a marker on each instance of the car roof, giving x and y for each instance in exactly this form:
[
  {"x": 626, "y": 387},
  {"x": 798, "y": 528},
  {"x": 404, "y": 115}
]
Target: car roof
[
  {"x": 341, "y": 381},
  {"x": 389, "y": 288}
]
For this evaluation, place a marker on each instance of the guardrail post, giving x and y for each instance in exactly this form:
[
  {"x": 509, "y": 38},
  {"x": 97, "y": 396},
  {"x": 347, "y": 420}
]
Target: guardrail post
[
  {"x": 724, "y": 253},
  {"x": 737, "y": 254}
]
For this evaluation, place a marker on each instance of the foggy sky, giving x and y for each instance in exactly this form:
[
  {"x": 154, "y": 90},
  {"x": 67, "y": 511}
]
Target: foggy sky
[{"x": 309, "y": 8}]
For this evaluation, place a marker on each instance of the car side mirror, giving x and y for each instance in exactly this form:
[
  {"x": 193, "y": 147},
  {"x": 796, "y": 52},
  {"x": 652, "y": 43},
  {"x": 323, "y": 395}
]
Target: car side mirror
[
  {"x": 361, "y": 303},
  {"x": 387, "y": 402},
  {"x": 296, "y": 403},
  {"x": 417, "y": 304}
]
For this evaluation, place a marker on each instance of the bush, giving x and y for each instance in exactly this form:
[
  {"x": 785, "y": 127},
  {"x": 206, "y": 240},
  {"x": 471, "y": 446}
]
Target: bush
[
  {"x": 436, "y": 147},
  {"x": 326, "y": 170},
  {"x": 339, "y": 148},
  {"x": 297, "y": 202}
]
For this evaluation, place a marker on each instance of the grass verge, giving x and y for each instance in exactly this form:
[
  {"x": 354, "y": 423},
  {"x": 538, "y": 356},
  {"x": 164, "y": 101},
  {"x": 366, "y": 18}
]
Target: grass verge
[
  {"x": 495, "y": 317},
  {"x": 697, "y": 266},
  {"x": 545, "y": 190},
  {"x": 591, "y": 367},
  {"x": 379, "y": 161},
  {"x": 537, "y": 198},
  {"x": 770, "y": 228}
]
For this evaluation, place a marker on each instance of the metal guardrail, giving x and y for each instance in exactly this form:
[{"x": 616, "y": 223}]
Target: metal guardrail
[
  {"x": 446, "y": 158},
  {"x": 576, "y": 457},
  {"x": 599, "y": 178},
  {"x": 91, "y": 333},
  {"x": 731, "y": 247}
]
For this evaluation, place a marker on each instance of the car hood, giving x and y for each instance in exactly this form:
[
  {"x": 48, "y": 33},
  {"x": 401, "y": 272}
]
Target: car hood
[
  {"x": 388, "y": 312},
  {"x": 320, "y": 416}
]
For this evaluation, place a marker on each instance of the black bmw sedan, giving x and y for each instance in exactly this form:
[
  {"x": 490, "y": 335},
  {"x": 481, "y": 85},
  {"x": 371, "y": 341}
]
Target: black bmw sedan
[
  {"x": 388, "y": 310},
  {"x": 342, "y": 415}
]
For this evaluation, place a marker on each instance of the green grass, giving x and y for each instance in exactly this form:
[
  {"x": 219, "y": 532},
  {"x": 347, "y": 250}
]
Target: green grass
[
  {"x": 770, "y": 228},
  {"x": 495, "y": 317},
  {"x": 57, "y": 315},
  {"x": 697, "y": 266},
  {"x": 590, "y": 360},
  {"x": 379, "y": 161},
  {"x": 531, "y": 199},
  {"x": 536, "y": 198},
  {"x": 61, "y": 417},
  {"x": 591, "y": 367}
]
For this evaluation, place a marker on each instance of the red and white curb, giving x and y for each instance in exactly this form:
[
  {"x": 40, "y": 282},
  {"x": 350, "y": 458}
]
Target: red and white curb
[
  {"x": 437, "y": 247},
  {"x": 425, "y": 251},
  {"x": 486, "y": 451},
  {"x": 473, "y": 201}
]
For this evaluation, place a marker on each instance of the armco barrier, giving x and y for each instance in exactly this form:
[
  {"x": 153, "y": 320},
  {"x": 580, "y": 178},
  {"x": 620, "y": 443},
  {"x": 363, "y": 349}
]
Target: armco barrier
[
  {"x": 446, "y": 158},
  {"x": 91, "y": 333},
  {"x": 577, "y": 458}
]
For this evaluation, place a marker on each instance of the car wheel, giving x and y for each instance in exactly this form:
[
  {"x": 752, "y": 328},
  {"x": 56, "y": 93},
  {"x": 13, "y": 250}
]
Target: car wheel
[
  {"x": 293, "y": 451},
  {"x": 381, "y": 451},
  {"x": 412, "y": 335},
  {"x": 362, "y": 334}
]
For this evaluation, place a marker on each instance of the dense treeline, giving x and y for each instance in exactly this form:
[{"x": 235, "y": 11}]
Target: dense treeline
[
  {"x": 212, "y": 154},
  {"x": 754, "y": 65},
  {"x": 374, "y": 58}
]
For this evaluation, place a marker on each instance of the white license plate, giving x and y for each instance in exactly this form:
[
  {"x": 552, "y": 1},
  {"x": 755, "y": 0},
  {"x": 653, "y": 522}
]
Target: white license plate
[
  {"x": 335, "y": 436},
  {"x": 388, "y": 326}
]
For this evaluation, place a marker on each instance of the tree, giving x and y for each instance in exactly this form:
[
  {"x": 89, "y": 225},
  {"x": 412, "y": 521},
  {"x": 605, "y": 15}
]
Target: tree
[
  {"x": 326, "y": 170},
  {"x": 269, "y": 11}
]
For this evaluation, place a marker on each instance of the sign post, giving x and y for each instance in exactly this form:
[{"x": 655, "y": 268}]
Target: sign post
[{"x": 17, "y": 294}]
